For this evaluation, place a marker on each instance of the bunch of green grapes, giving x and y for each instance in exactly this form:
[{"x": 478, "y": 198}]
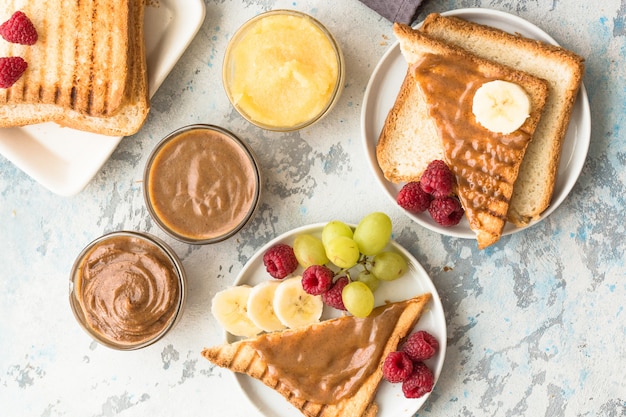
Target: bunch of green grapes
[{"x": 358, "y": 254}]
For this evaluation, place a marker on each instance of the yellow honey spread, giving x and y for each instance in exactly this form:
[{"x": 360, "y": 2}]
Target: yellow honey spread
[{"x": 284, "y": 71}]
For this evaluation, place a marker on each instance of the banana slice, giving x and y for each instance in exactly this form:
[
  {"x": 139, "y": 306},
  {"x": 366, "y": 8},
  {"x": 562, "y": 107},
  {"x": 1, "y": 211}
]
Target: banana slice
[
  {"x": 261, "y": 306},
  {"x": 294, "y": 307},
  {"x": 501, "y": 106},
  {"x": 230, "y": 307}
]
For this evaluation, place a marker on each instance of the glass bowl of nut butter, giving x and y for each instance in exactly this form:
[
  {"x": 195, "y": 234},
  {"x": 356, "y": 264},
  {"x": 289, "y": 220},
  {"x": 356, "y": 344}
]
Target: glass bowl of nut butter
[
  {"x": 127, "y": 289},
  {"x": 202, "y": 184}
]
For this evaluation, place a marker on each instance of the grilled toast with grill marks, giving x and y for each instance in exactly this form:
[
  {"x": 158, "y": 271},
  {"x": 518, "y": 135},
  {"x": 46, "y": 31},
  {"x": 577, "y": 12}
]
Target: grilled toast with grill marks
[
  {"x": 135, "y": 104},
  {"x": 80, "y": 61},
  {"x": 247, "y": 356},
  {"x": 485, "y": 165},
  {"x": 86, "y": 71},
  {"x": 562, "y": 69}
]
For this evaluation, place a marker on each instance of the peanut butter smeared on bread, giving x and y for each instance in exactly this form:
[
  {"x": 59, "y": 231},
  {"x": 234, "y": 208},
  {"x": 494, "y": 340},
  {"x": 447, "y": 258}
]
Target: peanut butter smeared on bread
[
  {"x": 332, "y": 368},
  {"x": 562, "y": 69},
  {"x": 485, "y": 163}
]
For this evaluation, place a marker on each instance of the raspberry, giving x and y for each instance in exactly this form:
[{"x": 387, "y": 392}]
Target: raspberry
[
  {"x": 11, "y": 69},
  {"x": 19, "y": 29},
  {"x": 397, "y": 366},
  {"x": 420, "y": 346},
  {"x": 317, "y": 279},
  {"x": 446, "y": 211},
  {"x": 280, "y": 261},
  {"x": 413, "y": 198},
  {"x": 332, "y": 297},
  {"x": 420, "y": 382},
  {"x": 437, "y": 179}
]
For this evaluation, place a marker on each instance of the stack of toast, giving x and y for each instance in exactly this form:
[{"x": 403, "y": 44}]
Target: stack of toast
[
  {"x": 250, "y": 356},
  {"x": 413, "y": 135},
  {"x": 87, "y": 71}
]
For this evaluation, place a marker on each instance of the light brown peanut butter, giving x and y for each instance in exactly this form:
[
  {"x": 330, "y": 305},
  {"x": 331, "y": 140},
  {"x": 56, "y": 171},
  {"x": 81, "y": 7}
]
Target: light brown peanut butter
[
  {"x": 483, "y": 161},
  {"x": 326, "y": 366},
  {"x": 202, "y": 184},
  {"x": 128, "y": 290}
]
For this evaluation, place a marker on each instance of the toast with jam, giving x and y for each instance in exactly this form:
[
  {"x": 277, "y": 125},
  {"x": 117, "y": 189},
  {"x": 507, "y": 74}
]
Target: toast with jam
[{"x": 297, "y": 362}]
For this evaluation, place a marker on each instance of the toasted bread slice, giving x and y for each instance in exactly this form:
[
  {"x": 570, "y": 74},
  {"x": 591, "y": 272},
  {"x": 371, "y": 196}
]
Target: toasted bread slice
[
  {"x": 254, "y": 357},
  {"x": 135, "y": 105},
  {"x": 87, "y": 70},
  {"x": 79, "y": 62},
  {"x": 562, "y": 69},
  {"x": 485, "y": 164}
]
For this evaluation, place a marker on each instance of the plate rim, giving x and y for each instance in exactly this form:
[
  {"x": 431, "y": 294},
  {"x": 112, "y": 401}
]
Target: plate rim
[
  {"x": 69, "y": 185},
  {"x": 436, "y": 307},
  {"x": 582, "y": 135}
]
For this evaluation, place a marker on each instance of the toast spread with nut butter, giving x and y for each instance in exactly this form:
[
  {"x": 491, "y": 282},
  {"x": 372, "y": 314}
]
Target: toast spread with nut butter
[
  {"x": 86, "y": 71},
  {"x": 447, "y": 81},
  {"x": 328, "y": 369},
  {"x": 561, "y": 68}
]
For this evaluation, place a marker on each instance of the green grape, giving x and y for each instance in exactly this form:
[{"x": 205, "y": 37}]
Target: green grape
[
  {"x": 388, "y": 266},
  {"x": 333, "y": 229},
  {"x": 358, "y": 299},
  {"x": 343, "y": 252},
  {"x": 369, "y": 279},
  {"x": 373, "y": 233},
  {"x": 309, "y": 250}
]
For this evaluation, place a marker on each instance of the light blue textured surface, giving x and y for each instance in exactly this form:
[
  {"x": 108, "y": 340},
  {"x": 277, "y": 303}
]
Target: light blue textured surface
[{"x": 536, "y": 324}]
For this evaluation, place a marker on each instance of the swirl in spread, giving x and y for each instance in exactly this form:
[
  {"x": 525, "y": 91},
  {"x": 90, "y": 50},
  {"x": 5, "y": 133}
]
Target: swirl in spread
[
  {"x": 202, "y": 184},
  {"x": 128, "y": 290}
]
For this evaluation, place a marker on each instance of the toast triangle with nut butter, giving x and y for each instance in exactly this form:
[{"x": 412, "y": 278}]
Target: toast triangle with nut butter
[
  {"x": 87, "y": 69},
  {"x": 444, "y": 79},
  {"x": 277, "y": 359},
  {"x": 562, "y": 69}
]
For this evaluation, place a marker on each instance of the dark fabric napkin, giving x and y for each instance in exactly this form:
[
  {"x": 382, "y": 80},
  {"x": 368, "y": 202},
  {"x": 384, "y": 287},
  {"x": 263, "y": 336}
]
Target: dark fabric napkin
[{"x": 402, "y": 11}]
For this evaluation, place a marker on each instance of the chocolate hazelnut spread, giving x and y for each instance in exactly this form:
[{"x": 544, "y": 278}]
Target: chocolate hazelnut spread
[
  {"x": 128, "y": 290},
  {"x": 202, "y": 184},
  {"x": 479, "y": 158},
  {"x": 317, "y": 368}
]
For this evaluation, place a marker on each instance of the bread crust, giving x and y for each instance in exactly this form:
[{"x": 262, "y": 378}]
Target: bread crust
[
  {"x": 561, "y": 68},
  {"x": 242, "y": 357},
  {"x": 405, "y": 145}
]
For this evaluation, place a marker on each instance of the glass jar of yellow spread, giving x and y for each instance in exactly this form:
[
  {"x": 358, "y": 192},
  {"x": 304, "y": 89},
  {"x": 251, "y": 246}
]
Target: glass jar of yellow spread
[
  {"x": 127, "y": 289},
  {"x": 283, "y": 70}
]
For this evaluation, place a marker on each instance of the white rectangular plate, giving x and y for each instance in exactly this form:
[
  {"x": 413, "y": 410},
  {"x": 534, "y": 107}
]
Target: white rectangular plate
[{"x": 65, "y": 160}]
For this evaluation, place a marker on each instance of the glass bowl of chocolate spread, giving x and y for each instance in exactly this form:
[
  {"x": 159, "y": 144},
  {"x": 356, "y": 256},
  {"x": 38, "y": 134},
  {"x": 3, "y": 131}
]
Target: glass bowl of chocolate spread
[
  {"x": 202, "y": 184},
  {"x": 127, "y": 289}
]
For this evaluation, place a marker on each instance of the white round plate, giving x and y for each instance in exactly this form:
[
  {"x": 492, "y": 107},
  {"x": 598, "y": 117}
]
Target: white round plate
[
  {"x": 389, "y": 398},
  {"x": 383, "y": 88}
]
